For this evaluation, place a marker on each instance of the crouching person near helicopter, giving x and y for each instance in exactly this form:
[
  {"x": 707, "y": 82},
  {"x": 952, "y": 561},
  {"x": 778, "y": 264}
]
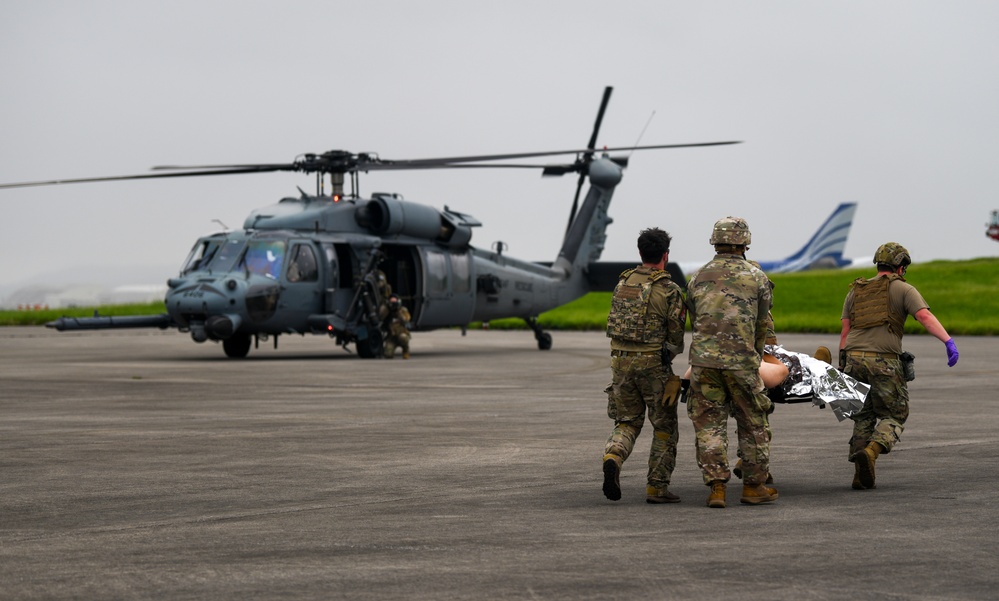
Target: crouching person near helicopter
[{"x": 396, "y": 326}]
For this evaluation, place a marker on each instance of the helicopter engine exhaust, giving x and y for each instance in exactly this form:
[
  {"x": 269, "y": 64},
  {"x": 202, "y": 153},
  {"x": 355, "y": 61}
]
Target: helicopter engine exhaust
[{"x": 386, "y": 215}]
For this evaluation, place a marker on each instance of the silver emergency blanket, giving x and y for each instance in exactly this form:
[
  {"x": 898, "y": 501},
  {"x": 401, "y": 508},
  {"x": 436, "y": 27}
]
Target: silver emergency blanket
[{"x": 808, "y": 376}]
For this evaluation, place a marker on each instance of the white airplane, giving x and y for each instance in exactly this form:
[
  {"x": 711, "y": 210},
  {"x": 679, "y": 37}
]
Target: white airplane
[{"x": 823, "y": 251}]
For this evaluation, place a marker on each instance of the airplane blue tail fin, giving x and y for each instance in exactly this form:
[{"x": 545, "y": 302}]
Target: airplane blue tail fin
[{"x": 824, "y": 249}]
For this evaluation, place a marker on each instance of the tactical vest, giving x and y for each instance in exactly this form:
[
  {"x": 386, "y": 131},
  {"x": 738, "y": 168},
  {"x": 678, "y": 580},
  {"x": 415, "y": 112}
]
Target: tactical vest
[
  {"x": 629, "y": 317},
  {"x": 870, "y": 304}
]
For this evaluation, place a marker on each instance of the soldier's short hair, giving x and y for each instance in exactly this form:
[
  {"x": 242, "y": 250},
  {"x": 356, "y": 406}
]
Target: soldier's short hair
[{"x": 653, "y": 243}]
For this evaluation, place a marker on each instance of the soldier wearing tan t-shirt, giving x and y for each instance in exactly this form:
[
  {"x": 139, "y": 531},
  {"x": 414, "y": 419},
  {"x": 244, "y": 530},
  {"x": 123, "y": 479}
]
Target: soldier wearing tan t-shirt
[{"x": 874, "y": 314}]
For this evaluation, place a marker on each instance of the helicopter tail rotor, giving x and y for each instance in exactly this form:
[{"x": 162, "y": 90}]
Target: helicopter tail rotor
[{"x": 587, "y": 158}]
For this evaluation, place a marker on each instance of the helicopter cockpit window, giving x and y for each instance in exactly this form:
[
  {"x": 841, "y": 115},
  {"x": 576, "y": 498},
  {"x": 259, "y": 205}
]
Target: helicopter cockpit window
[
  {"x": 227, "y": 255},
  {"x": 202, "y": 253},
  {"x": 264, "y": 257},
  {"x": 303, "y": 266},
  {"x": 215, "y": 254}
]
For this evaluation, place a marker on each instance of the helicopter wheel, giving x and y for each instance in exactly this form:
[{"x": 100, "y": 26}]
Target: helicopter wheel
[
  {"x": 544, "y": 341},
  {"x": 237, "y": 347},
  {"x": 544, "y": 338},
  {"x": 371, "y": 347}
]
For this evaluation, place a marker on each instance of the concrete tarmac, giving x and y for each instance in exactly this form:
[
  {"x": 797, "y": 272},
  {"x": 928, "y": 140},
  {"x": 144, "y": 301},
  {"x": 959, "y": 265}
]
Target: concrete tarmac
[{"x": 140, "y": 465}]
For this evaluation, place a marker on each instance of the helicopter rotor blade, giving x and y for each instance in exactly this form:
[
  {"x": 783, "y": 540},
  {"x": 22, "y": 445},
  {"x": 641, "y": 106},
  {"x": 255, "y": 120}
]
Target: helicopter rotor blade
[
  {"x": 412, "y": 163},
  {"x": 583, "y": 162},
  {"x": 343, "y": 162},
  {"x": 83, "y": 180},
  {"x": 600, "y": 117}
]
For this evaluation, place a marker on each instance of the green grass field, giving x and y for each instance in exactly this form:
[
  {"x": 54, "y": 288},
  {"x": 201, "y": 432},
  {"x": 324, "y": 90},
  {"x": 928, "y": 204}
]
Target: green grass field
[{"x": 964, "y": 295}]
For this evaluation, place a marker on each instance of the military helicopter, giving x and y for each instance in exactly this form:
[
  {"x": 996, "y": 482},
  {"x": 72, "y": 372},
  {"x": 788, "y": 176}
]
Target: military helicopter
[{"x": 324, "y": 263}]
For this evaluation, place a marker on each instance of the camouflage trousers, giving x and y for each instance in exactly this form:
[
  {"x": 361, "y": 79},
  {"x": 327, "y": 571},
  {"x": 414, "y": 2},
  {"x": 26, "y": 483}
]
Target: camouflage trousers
[
  {"x": 636, "y": 388},
  {"x": 717, "y": 394},
  {"x": 887, "y": 406},
  {"x": 392, "y": 340}
]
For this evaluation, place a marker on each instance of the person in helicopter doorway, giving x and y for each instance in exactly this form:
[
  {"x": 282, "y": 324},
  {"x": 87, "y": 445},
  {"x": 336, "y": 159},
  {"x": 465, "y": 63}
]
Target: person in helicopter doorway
[
  {"x": 384, "y": 289},
  {"x": 396, "y": 326}
]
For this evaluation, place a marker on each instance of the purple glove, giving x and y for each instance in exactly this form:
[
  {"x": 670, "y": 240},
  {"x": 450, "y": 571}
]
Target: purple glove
[{"x": 952, "y": 354}]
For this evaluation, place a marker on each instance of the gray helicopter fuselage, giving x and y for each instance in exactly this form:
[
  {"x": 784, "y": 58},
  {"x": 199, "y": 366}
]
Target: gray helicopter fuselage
[{"x": 296, "y": 268}]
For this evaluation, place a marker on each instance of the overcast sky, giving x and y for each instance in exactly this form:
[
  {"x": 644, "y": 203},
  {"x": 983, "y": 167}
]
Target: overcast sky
[{"x": 894, "y": 105}]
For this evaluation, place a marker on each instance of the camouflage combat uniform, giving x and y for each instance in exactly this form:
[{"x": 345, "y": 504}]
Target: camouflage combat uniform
[
  {"x": 384, "y": 292},
  {"x": 647, "y": 318},
  {"x": 729, "y": 301},
  {"x": 397, "y": 332},
  {"x": 877, "y": 309}
]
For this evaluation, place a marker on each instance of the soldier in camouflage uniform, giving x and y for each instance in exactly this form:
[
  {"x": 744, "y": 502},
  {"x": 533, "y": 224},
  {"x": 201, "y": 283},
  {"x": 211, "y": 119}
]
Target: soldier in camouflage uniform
[
  {"x": 874, "y": 313},
  {"x": 729, "y": 301},
  {"x": 771, "y": 339},
  {"x": 396, "y": 326},
  {"x": 645, "y": 325}
]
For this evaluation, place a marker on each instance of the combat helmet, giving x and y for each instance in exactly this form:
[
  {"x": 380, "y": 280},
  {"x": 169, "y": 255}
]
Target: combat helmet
[
  {"x": 893, "y": 254},
  {"x": 731, "y": 230}
]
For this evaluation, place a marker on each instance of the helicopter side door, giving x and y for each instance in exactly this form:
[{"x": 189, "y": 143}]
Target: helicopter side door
[
  {"x": 448, "y": 294},
  {"x": 303, "y": 284}
]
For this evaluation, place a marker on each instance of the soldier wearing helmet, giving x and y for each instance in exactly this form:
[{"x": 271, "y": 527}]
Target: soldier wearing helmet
[
  {"x": 874, "y": 314},
  {"x": 396, "y": 327},
  {"x": 729, "y": 302},
  {"x": 645, "y": 326}
]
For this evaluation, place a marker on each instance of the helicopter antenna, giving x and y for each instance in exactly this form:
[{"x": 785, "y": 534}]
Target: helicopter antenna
[
  {"x": 219, "y": 221},
  {"x": 642, "y": 134}
]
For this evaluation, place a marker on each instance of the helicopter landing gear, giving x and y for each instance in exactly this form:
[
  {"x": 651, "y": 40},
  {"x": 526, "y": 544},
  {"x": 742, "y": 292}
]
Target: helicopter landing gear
[
  {"x": 370, "y": 344},
  {"x": 544, "y": 338},
  {"x": 237, "y": 346}
]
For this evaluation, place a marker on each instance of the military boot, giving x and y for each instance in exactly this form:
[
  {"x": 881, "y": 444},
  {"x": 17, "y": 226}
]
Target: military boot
[
  {"x": 865, "y": 458},
  {"x": 612, "y": 478},
  {"x": 717, "y": 497},
  {"x": 755, "y": 495},
  {"x": 823, "y": 354},
  {"x": 857, "y": 484},
  {"x": 737, "y": 470},
  {"x": 659, "y": 495}
]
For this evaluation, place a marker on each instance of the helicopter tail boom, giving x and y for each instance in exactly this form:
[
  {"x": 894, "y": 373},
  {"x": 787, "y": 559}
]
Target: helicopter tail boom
[{"x": 584, "y": 242}]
